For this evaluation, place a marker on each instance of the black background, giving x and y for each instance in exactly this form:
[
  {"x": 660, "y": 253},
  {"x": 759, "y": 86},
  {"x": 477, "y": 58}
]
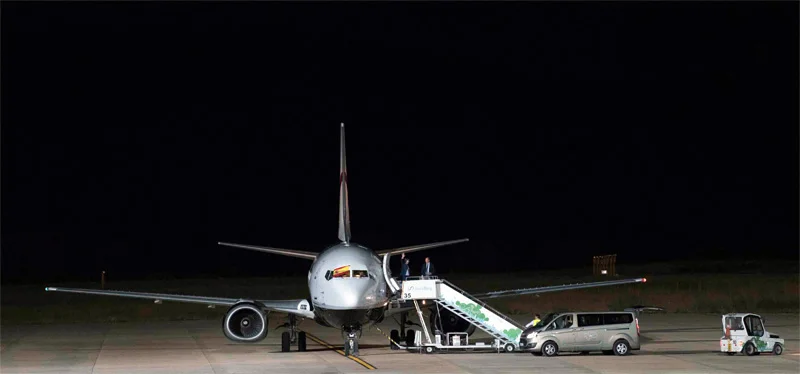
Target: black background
[{"x": 137, "y": 135}]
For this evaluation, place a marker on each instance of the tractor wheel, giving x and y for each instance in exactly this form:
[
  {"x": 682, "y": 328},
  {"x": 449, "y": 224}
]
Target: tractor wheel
[{"x": 749, "y": 349}]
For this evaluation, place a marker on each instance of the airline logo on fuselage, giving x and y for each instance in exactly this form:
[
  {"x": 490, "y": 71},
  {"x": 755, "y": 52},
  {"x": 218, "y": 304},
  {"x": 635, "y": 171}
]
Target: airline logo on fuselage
[{"x": 420, "y": 288}]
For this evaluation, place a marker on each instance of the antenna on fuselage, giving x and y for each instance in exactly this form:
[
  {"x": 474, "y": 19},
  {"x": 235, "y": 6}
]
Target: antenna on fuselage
[{"x": 344, "y": 206}]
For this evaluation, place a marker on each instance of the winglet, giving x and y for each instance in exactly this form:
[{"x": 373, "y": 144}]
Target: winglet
[{"x": 344, "y": 205}]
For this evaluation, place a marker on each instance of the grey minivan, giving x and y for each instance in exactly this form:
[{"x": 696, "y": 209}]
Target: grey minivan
[{"x": 609, "y": 332}]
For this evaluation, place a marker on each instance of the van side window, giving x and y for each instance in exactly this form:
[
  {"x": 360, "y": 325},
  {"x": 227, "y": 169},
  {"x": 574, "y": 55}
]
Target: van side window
[
  {"x": 617, "y": 318},
  {"x": 562, "y": 322},
  {"x": 590, "y": 320}
]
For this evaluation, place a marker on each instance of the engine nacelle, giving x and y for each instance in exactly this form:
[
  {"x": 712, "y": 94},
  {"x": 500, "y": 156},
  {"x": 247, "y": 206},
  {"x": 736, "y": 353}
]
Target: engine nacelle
[
  {"x": 446, "y": 322},
  {"x": 245, "y": 323}
]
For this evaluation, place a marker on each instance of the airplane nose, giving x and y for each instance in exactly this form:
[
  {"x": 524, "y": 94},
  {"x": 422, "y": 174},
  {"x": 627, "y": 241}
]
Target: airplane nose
[{"x": 357, "y": 293}]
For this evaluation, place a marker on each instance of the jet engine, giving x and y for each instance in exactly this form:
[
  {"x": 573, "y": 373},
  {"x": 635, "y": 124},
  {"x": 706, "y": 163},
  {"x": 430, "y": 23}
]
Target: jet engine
[
  {"x": 446, "y": 322},
  {"x": 245, "y": 323}
]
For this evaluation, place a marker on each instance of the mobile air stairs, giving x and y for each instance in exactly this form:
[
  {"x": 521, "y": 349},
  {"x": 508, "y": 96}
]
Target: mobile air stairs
[{"x": 439, "y": 293}]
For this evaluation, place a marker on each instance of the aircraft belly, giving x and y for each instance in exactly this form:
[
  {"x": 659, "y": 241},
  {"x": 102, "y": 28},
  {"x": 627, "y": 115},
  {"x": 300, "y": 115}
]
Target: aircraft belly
[{"x": 348, "y": 317}]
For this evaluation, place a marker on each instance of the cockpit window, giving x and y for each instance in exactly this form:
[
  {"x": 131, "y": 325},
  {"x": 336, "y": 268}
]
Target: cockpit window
[{"x": 346, "y": 272}]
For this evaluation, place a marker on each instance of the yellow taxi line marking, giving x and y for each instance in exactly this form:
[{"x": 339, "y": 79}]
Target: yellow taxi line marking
[{"x": 339, "y": 351}]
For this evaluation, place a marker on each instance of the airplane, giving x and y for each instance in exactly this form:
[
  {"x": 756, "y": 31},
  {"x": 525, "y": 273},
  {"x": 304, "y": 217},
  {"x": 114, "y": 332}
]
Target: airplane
[{"x": 350, "y": 288}]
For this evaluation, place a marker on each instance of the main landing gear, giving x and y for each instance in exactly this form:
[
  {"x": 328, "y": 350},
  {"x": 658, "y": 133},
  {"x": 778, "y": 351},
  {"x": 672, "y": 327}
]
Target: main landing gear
[
  {"x": 293, "y": 336},
  {"x": 351, "y": 336},
  {"x": 403, "y": 335}
]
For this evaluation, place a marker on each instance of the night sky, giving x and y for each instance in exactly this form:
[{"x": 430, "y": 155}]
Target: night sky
[{"x": 137, "y": 135}]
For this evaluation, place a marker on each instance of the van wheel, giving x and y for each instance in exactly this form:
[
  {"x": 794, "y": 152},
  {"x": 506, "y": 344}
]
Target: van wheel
[
  {"x": 778, "y": 349},
  {"x": 549, "y": 348},
  {"x": 749, "y": 349},
  {"x": 621, "y": 347}
]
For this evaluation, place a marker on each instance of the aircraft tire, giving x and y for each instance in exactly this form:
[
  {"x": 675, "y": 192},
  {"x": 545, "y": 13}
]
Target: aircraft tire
[
  {"x": 285, "y": 341},
  {"x": 410, "y": 338},
  {"x": 301, "y": 341},
  {"x": 395, "y": 336}
]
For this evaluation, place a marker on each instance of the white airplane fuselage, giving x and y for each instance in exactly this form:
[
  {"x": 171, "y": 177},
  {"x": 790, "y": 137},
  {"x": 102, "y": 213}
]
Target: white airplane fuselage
[{"x": 357, "y": 295}]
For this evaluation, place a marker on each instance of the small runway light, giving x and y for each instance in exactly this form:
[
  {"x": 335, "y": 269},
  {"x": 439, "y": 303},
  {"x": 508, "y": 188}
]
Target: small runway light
[
  {"x": 604, "y": 272},
  {"x": 644, "y": 280}
]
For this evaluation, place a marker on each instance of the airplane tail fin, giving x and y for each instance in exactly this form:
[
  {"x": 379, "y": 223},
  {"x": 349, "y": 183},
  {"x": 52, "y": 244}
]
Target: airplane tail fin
[{"x": 344, "y": 206}]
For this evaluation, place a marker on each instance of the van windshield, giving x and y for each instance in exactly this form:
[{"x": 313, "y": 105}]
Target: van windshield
[{"x": 547, "y": 319}]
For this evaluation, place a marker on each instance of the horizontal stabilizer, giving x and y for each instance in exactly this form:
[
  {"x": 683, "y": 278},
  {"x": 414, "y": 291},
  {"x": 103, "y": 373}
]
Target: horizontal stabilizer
[
  {"x": 565, "y": 287},
  {"x": 414, "y": 248},
  {"x": 279, "y": 251}
]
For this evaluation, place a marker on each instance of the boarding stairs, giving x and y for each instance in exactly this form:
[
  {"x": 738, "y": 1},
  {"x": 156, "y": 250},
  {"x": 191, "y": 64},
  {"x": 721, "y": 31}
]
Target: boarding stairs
[{"x": 448, "y": 296}]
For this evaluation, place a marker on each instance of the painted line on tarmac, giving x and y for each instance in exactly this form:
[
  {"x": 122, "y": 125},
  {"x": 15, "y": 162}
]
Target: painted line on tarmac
[{"x": 339, "y": 351}]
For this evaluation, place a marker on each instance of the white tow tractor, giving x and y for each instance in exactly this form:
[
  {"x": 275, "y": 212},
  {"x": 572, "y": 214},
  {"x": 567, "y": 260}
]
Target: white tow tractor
[{"x": 744, "y": 332}]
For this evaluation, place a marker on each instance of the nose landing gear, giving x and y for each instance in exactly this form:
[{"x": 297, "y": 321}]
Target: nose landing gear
[{"x": 352, "y": 333}]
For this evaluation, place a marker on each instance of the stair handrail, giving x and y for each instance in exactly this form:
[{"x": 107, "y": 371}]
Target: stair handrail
[
  {"x": 482, "y": 303},
  {"x": 486, "y": 328}
]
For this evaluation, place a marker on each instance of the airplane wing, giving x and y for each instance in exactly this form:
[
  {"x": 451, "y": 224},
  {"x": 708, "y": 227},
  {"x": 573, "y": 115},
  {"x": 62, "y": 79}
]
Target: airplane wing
[
  {"x": 414, "y": 248},
  {"x": 298, "y": 307},
  {"x": 279, "y": 251},
  {"x": 565, "y": 287}
]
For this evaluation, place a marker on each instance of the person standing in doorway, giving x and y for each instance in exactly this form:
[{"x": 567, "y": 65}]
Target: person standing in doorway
[
  {"x": 405, "y": 270},
  {"x": 427, "y": 268}
]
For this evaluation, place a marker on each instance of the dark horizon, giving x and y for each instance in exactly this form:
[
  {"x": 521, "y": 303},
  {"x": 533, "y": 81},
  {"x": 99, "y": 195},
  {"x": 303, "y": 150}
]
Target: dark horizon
[{"x": 137, "y": 135}]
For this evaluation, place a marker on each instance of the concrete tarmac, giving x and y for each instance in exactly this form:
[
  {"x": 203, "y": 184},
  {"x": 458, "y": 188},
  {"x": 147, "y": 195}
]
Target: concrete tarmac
[{"x": 671, "y": 343}]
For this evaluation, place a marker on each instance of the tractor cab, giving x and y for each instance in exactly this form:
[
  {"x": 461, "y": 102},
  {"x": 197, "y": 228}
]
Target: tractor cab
[{"x": 744, "y": 332}]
